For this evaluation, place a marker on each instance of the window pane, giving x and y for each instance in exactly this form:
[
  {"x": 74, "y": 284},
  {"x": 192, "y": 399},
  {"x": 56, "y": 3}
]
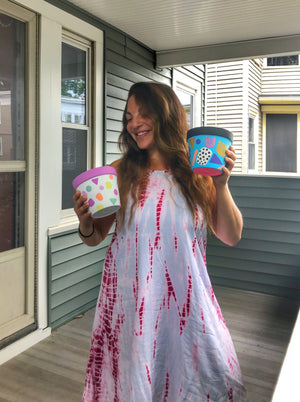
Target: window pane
[
  {"x": 74, "y": 162},
  {"x": 251, "y": 156},
  {"x": 282, "y": 61},
  {"x": 281, "y": 143},
  {"x": 12, "y": 72},
  {"x": 73, "y": 85},
  {"x": 187, "y": 101},
  {"x": 12, "y": 201},
  {"x": 251, "y": 130}
]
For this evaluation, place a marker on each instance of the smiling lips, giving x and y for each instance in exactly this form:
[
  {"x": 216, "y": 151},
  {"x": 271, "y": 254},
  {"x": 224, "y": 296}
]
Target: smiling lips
[{"x": 142, "y": 133}]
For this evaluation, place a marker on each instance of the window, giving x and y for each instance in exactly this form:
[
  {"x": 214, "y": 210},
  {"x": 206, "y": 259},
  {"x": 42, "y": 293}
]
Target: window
[
  {"x": 281, "y": 143},
  {"x": 283, "y": 61},
  {"x": 187, "y": 101},
  {"x": 251, "y": 145},
  {"x": 75, "y": 112},
  {"x": 12, "y": 131},
  {"x": 188, "y": 91}
]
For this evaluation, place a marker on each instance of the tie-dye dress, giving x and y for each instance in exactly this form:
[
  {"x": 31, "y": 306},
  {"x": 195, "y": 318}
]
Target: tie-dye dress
[{"x": 159, "y": 334}]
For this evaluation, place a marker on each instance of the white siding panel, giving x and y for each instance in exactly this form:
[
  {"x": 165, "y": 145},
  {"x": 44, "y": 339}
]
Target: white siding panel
[
  {"x": 281, "y": 80},
  {"x": 225, "y": 99},
  {"x": 254, "y": 90}
]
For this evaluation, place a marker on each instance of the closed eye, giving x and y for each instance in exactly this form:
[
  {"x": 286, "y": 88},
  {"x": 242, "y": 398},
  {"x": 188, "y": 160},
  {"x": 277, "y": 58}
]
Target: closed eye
[{"x": 128, "y": 117}]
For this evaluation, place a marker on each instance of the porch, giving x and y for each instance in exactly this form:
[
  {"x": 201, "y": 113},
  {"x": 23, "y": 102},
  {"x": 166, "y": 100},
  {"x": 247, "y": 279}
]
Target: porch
[{"x": 261, "y": 326}]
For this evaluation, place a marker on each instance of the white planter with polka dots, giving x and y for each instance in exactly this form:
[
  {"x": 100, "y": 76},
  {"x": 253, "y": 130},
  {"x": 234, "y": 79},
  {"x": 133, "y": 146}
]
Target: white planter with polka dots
[{"x": 101, "y": 188}]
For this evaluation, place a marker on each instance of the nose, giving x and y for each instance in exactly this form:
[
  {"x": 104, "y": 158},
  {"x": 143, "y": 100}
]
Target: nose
[{"x": 135, "y": 120}]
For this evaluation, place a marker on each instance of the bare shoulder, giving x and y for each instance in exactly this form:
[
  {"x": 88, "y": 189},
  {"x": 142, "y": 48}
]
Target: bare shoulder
[{"x": 116, "y": 164}]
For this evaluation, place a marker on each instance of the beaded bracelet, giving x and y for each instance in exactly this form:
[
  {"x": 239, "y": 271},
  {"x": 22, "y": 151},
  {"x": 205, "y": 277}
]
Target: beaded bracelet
[{"x": 91, "y": 234}]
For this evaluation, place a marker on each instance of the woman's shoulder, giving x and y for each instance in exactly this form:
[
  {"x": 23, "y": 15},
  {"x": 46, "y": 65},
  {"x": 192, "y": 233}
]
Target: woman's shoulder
[{"x": 116, "y": 164}]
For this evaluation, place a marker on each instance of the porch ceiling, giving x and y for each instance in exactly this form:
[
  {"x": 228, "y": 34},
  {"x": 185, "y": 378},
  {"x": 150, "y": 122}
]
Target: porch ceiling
[{"x": 174, "y": 25}]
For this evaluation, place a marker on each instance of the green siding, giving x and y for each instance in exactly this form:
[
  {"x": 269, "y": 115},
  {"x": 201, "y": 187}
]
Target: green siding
[
  {"x": 267, "y": 259},
  {"x": 127, "y": 62},
  {"x": 74, "y": 272}
]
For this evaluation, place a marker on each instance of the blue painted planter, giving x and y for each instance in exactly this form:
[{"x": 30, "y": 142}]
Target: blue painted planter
[{"x": 207, "y": 146}]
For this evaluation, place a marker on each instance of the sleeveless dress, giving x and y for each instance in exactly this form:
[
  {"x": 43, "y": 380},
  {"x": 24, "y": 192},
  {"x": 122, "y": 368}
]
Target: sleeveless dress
[{"x": 159, "y": 334}]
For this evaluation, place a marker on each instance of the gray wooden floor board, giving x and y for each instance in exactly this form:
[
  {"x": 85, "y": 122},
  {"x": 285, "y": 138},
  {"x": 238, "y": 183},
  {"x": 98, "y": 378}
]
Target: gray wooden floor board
[{"x": 54, "y": 369}]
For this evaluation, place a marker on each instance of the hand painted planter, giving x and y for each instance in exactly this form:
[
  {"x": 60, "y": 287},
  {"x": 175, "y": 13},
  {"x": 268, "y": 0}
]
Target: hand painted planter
[
  {"x": 207, "y": 146},
  {"x": 101, "y": 188}
]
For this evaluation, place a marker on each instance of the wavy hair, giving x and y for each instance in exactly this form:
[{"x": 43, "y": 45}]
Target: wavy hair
[{"x": 160, "y": 103}]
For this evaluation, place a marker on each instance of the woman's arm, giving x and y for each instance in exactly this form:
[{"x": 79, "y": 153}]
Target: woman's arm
[
  {"x": 91, "y": 231},
  {"x": 227, "y": 219}
]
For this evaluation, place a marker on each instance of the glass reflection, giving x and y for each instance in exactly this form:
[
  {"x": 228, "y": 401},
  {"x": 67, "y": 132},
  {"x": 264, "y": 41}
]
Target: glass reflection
[
  {"x": 187, "y": 101},
  {"x": 12, "y": 210},
  {"x": 74, "y": 162},
  {"x": 12, "y": 73},
  {"x": 73, "y": 85}
]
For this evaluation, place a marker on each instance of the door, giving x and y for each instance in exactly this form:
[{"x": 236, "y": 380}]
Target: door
[{"x": 17, "y": 171}]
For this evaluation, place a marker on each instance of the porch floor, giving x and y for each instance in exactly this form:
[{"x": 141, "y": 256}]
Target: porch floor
[{"x": 54, "y": 369}]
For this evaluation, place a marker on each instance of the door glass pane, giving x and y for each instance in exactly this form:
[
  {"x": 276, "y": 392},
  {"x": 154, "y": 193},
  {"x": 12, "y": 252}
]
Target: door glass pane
[
  {"x": 251, "y": 156},
  {"x": 12, "y": 209},
  {"x": 74, "y": 161},
  {"x": 281, "y": 143},
  {"x": 12, "y": 73},
  {"x": 187, "y": 101},
  {"x": 251, "y": 130},
  {"x": 73, "y": 85}
]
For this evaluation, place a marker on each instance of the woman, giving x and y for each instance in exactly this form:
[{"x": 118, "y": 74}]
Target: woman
[{"x": 159, "y": 334}]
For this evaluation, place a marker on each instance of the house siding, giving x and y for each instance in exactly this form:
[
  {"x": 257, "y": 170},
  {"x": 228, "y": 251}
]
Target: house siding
[
  {"x": 254, "y": 91},
  {"x": 74, "y": 276},
  {"x": 126, "y": 63},
  {"x": 225, "y": 102},
  {"x": 281, "y": 80},
  {"x": 267, "y": 258}
]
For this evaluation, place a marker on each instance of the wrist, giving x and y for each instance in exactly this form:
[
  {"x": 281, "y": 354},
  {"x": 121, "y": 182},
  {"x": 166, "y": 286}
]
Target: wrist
[{"x": 86, "y": 234}]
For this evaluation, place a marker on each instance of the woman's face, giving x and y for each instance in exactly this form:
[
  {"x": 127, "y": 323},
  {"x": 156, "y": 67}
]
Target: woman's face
[{"x": 139, "y": 126}]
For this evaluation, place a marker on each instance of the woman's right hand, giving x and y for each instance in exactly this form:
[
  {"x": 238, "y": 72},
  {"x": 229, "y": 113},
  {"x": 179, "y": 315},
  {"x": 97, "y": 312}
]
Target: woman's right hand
[{"x": 82, "y": 211}]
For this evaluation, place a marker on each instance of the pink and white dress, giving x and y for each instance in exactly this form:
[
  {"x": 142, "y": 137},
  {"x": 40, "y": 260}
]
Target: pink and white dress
[{"x": 159, "y": 334}]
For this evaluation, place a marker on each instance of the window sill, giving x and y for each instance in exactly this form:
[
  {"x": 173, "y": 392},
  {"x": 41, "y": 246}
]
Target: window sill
[{"x": 63, "y": 227}]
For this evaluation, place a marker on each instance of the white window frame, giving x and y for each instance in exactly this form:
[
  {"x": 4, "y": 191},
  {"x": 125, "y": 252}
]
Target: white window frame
[
  {"x": 280, "y": 109},
  {"x": 254, "y": 116},
  {"x": 85, "y": 45},
  {"x": 191, "y": 86},
  {"x": 53, "y": 33}
]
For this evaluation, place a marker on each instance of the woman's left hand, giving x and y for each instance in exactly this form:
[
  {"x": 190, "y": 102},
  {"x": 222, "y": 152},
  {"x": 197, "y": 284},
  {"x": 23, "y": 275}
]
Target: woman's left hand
[{"x": 230, "y": 159}]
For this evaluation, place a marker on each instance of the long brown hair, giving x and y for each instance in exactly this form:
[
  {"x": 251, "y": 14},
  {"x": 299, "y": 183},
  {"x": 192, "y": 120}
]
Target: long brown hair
[{"x": 160, "y": 103}]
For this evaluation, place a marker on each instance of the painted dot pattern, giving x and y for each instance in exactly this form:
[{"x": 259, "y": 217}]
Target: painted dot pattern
[
  {"x": 204, "y": 156},
  {"x": 102, "y": 192}
]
